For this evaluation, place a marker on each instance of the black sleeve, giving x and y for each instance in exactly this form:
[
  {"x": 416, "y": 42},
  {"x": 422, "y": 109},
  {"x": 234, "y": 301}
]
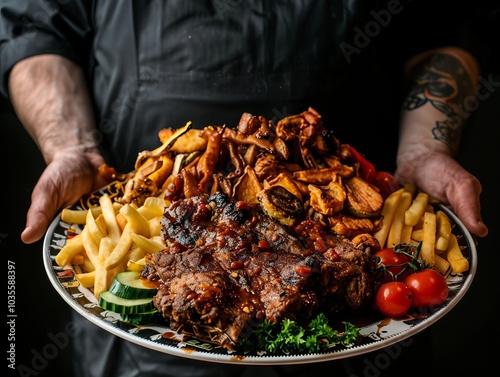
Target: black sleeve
[{"x": 29, "y": 28}]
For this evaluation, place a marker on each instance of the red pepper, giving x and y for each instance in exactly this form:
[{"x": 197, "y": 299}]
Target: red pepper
[{"x": 367, "y": 170}]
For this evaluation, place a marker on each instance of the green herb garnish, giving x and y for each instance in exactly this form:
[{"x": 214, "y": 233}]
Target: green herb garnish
[{"x": 289, "y": 337}]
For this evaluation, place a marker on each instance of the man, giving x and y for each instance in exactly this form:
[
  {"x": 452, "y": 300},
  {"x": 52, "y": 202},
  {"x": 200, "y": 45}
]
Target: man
[{"x": 93, "y": 82}]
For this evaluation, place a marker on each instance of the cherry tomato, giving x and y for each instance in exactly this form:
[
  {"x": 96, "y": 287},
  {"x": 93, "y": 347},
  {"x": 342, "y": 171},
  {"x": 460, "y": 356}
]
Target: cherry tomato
[
  {"x": 428, "y": 288},
  {"x": 393, "y": 299},
  {"x": 388, "y": 265},
  {"x": 386, "y": 183}
]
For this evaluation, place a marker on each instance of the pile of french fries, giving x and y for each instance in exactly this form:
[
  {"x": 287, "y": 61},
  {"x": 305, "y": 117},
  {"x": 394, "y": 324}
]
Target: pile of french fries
[
  {"x": 115, "y": 237},
  {"x": 410, "y": 217}
]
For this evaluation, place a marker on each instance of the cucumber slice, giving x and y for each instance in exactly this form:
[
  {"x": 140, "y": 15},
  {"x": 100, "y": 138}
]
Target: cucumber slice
[
  {"x": 144, "y": 318},
  {"x": 129, "y": 285},
  {"x": 110, "y": 301}
]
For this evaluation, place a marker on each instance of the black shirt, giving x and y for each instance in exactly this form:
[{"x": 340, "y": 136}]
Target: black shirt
[{"x": 156, "y": 64}]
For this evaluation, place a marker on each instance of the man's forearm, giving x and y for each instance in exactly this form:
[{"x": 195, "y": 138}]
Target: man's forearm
[
  {"x": 50, "y": 97},
  {"x": 443, "y": 85}
]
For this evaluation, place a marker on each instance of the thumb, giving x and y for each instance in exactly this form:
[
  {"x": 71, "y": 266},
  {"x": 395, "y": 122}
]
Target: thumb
[
  {"x": 37, "y": 222},
  {"x": 464, "y": 200},
  {"x": 45, "y": 202},
  {"x": 34, "y": 231}
]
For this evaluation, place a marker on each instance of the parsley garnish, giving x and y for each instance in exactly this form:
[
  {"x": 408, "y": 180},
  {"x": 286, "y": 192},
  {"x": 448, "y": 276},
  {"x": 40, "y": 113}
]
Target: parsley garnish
[{"x": 289, "y": 337}]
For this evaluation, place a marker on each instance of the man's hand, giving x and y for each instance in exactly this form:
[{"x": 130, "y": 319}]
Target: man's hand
[
  {"x": 443, "y": 178},
  {"x": 71, "y": 174},
  {"x": 51, "y": 99}
]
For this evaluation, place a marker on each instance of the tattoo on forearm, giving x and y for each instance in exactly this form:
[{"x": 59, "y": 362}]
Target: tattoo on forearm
[{"x": 444, "y": 83}]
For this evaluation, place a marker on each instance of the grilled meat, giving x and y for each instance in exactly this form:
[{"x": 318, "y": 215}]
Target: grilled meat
[{"x": 227, "y": 267}]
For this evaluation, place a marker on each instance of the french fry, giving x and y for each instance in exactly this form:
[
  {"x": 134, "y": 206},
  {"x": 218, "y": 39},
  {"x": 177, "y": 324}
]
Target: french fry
[
  {"x": 411, "y": 188},
  {"x": 147, "y": 244},
  {"x": 121, "y": 220},
  {"x": 152, "y": 207},
  {"x": 420, "y": 224},
  {"x": 86, "y": 279},
  {"x": 158, "y": 239},
  {"x": 429, "y": 238},
  {"x": 155, "y": 226},
  {"x": 101, "y": 224},
  {"x": 406, "y": 233},
  {"x": 417, "y": 209},
  {"x": 140, "y": 262},
  {"x": 136, "y": 253},
  {"x": 441, "y": 264},
  {"x": 443, "y": 231},
  {"x": 120, "y": 250},
  {"x": 135, "y": 266},
  {"x": 417, "y": 235},
  {"x": 149, "y": 212},
  {"x": 77, "y": 260},
  {"x": 95, "y": 231},
  {"x": 108, "y": 212},
  {"x": 441, "y": 245},
  {"x": 394, "y": 236},
  {"x": 78, "y": 216},
  {"x": 388, "y": 210},
  {"x": 138, "y": 224},
  {"x": 90, "y": 246},
  {"x": 69, "y": 250},
  {"x": 87, "y": 265},
  {"x": 101, "y": 273},
  {"x": 455, "y": 256},
  {"x": 154, "y": 201}
]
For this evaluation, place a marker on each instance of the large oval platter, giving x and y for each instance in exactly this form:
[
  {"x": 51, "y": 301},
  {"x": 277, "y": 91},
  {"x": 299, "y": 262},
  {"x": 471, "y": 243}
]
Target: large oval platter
[{"x": 374, "y": 334}]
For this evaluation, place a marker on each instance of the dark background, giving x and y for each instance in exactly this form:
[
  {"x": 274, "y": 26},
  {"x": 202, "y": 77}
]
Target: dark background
[{"x": 458, "y": 344}]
